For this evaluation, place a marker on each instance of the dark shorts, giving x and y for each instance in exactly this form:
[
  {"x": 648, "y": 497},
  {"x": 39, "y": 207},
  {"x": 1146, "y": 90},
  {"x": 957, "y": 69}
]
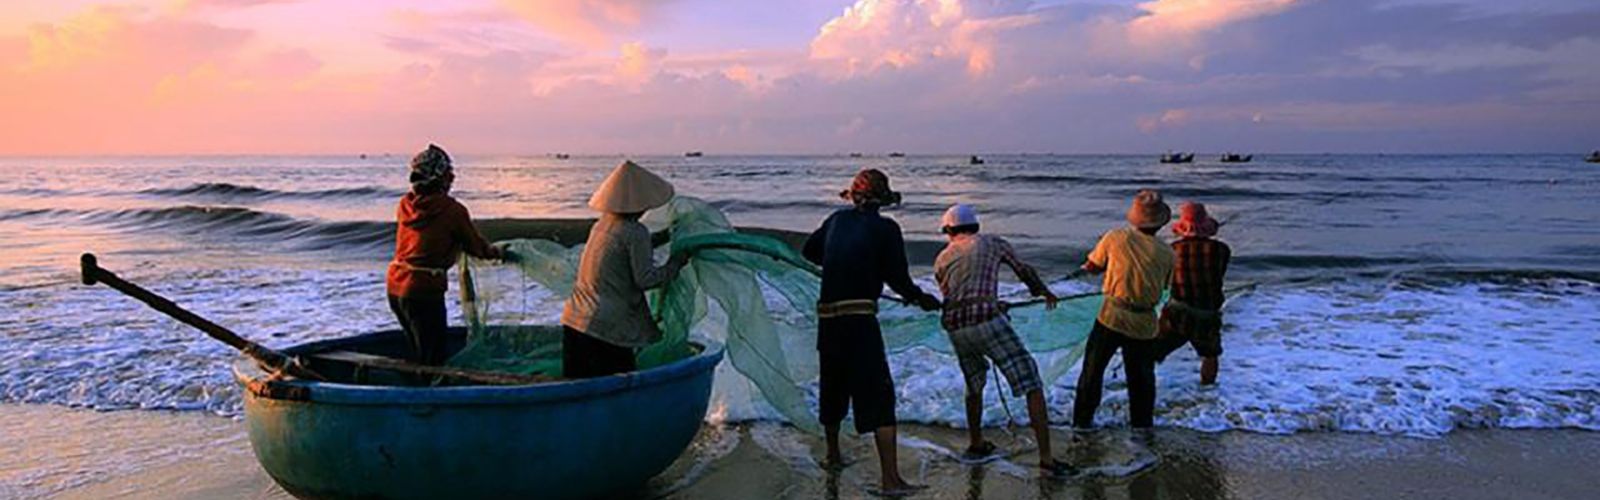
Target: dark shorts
[
  {"x": 583, "y": 356},
  {"x": 1179, "y": 326},
  {"x": 423, "y": 320},
  {"x": 854, "y": 373}
]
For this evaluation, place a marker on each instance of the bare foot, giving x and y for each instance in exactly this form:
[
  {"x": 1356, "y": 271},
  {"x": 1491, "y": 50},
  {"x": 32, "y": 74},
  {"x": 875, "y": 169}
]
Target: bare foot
[
  {"x": 897, "y": 488},
  {"x": 1057, "y": 468}
]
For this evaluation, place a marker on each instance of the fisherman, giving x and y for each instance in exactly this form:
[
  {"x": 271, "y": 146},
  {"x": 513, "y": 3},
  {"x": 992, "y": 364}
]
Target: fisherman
[
  {"x": 968, "y": 271},
  {"x": 1193, "y": 314},
  {"x": 606, "y": 319},
  {"x": 432, "y": 231},
  {"x": 860, "y": 251},
  {"x": 1137, "y": 268}
]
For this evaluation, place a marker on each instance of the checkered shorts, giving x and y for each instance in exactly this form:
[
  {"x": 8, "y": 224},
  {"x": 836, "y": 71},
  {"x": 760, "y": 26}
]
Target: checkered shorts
[{"x": 994, "y": 340}]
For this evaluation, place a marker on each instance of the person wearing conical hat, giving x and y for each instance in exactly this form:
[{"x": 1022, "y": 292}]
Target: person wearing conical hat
[
  {"x": 1137, "y": 268},
  {"x": 860, "y": 251},
  {"x": 607, "y": 318},
  {"x": 432, "y": 231},
  {"x": 1193, "y": 315},
  {"x": 968, "y": 271}
]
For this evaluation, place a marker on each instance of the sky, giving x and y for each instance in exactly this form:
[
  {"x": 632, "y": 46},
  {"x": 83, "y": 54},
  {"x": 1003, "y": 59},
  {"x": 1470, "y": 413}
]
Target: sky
[{"x": 798, "y": 76}]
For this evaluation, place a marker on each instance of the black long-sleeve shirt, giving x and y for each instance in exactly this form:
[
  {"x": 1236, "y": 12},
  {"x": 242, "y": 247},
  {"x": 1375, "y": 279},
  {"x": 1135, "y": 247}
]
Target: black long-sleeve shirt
[{"x": 860, "y": 251}]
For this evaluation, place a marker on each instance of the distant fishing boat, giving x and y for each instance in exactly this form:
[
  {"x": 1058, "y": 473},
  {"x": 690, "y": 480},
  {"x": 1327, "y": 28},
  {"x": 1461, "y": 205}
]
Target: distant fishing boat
[
  {"x": 897, "y": 155},
  {"x": 975, "y": 160},
  {"x": 1177, "y": 158},
  {"x": 1593, "y": 157},
  {"x": 1233, "y": 158},
  {"x": 693, "y": 154},
  {"x": 562, "y": 156},
  {"x": 855, "y": 155},
  {"x": 350, "y": 438}
]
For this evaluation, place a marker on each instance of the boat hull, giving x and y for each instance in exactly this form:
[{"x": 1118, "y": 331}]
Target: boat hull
[{"x": 577, "y": 439}]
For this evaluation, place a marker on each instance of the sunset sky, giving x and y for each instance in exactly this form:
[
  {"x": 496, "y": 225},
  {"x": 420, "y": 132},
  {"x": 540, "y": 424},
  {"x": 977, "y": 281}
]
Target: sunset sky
[{"x": 798, "y": 76}]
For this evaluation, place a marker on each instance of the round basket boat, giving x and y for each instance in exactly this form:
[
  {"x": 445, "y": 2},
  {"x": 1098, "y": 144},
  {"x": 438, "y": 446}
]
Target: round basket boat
[{"x": 571, "y": 439}]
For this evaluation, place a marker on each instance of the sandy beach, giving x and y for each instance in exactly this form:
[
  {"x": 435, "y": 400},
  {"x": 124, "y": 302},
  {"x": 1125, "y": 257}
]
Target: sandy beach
[{"x": 66, "y": 453}]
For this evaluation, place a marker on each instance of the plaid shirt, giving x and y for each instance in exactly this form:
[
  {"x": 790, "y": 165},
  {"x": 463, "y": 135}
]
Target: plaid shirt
[
  {"x": 1198, "y": 270},
  {"x": 968, "y": 271}
]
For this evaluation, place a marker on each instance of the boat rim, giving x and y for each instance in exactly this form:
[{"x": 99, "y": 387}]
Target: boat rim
[{"x": 247, "y": 373}]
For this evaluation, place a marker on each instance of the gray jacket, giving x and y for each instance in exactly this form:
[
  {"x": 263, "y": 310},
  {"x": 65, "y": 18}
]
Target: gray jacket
[{"x": 607, "y": 300}]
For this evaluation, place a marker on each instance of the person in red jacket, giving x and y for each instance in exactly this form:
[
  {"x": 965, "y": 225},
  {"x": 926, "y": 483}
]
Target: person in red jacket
[{"x": 432, "y": 230}]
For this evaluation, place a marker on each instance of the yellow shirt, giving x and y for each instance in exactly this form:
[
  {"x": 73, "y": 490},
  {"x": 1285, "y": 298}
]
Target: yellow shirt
[{"x": 1138, "y": 267}]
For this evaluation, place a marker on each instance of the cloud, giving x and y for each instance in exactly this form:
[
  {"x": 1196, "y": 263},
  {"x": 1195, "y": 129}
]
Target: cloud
[
  {"x": 226, "y": 4},
  {"x": 912, "y": 75},
  {"x": 589, "y": 23},
  {"x": 1166, "y": 18},
  {"x": 899, "y": 33}
]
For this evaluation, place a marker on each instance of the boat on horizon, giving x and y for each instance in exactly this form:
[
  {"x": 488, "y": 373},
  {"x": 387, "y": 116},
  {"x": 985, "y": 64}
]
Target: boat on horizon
[
  {"x": 1177, "y": 158},
  {"x": 374, "y": 434},
  {"x": 975, "y": 160},
  {"x": 562, "y": 156},
  {"x": 897, "y": 154},
  {"x": 1233, "y": 158},
  {"x": 1593, "y": 157},
  {"x": 693, "y": 154}
]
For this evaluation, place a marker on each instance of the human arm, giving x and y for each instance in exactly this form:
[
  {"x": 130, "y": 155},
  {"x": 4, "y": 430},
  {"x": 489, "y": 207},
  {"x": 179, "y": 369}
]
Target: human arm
[
  {"x": 897, "y": 272},
  {"x": 646, "y": 274},
  {"x": 472, "y": 241},
  {"x": 1096, "y": 261},
  {"x": 1026, "y": 273},
  {"x": 815, "y": 243}
]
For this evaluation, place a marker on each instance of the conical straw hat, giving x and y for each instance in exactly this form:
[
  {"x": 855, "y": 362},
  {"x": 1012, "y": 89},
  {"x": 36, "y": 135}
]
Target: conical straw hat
[{"x": 629, "y": 189}]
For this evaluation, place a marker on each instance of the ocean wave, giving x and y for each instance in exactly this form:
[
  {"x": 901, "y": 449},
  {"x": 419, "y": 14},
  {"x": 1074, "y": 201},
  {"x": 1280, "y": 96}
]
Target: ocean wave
[
  {"x": 239, "y": 222},
  {"x": 1362, "y": 356},
  {"x": 236, "y": 191}
]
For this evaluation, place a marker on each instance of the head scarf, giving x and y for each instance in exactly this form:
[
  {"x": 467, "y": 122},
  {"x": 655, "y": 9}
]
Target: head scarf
[
  {"x": 1148, "y": 211},
  {"x": 871, "y": 187},
  {"x": 429, "y": 167},
  {"x": 1194, "y": 222}
]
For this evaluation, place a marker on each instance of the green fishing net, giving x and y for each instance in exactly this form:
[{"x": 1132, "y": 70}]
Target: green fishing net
[{"x": 753, "y": 294}]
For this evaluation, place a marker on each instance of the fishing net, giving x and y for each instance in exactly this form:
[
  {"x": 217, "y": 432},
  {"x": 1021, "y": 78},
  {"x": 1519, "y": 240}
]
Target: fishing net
[{"x": 753, "y": 294}]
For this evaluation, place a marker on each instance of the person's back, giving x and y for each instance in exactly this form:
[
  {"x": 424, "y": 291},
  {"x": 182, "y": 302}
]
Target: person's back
[
  {"x": 1199, "y": 265},
  {"x": 968, "y": 271},
  {"x": 860, "y": 251},
  {"x": 1194, "y": 314},
  {"x": 1137, "y": 268}
]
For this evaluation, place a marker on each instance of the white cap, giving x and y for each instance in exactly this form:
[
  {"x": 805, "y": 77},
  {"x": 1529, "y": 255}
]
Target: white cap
[{"x": 960, "y": 215}]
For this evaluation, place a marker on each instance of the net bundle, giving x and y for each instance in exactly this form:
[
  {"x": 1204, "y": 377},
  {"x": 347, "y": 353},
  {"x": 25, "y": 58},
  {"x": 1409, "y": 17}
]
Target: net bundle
[{"x": 753, "y": 294}]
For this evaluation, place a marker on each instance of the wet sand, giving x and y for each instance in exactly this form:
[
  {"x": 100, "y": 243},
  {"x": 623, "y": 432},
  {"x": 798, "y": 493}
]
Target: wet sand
[{"x": 66, "y": 453}]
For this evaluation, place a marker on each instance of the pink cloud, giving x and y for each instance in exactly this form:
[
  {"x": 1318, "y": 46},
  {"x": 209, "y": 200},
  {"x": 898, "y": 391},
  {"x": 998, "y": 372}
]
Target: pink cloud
[{"x": 590, "y": 23}]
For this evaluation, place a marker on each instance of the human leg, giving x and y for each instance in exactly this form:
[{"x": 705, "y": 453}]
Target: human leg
[
  {"x": 423, "y": 320},
  {"x": 1140, "y": 370},
  {"x": 1091, "y": 377}
]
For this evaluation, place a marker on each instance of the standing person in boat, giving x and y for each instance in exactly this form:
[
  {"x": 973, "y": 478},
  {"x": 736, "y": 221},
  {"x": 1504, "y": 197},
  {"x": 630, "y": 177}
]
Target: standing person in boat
[
  {"x": 860, "y": 251},
  {"x": 1193, "y": 314},
  {"x": 432, "y": 231},
  {"x": 1137, "y": 268},
  {"x": 606, "y": 319},
  {"x": 968, "y": 271}
]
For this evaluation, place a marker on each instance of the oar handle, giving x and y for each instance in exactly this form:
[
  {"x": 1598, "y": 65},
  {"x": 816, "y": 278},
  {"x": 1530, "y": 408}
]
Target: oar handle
[{"x": 93, "y": 274}]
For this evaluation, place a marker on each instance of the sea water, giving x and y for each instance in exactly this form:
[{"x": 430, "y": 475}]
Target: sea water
[{"x": 1396, "y": 294}]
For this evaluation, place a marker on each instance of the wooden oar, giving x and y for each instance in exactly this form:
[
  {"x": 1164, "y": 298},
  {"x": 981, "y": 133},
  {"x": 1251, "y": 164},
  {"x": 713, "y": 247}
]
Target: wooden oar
[{"x": 277, "y": 361}]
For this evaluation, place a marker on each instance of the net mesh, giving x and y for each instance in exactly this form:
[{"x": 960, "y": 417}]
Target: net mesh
[{"x": 754, "y": 294}]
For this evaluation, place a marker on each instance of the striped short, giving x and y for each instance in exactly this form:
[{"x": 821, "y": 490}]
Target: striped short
[{"x": 977, "y": 345}]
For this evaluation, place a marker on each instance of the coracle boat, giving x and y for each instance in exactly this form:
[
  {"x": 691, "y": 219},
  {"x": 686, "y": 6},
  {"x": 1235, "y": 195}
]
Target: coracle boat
[{"x": 368, "y": 435}]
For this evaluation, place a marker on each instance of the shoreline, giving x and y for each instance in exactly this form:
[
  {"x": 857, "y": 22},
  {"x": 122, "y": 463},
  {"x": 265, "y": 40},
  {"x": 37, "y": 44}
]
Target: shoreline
[{"x": 71, "y": 453}]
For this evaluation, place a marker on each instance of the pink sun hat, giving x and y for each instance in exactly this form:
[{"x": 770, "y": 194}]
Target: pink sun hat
[{"x": 1194, "y": 222}]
